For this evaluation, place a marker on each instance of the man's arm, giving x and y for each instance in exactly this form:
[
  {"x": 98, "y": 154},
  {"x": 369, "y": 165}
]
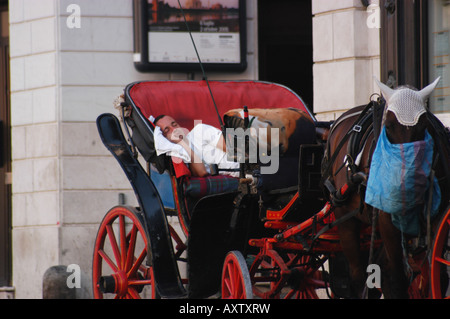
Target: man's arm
[
  {"x": 196, "y": 166},
  {"x": 221, "y": 145}
]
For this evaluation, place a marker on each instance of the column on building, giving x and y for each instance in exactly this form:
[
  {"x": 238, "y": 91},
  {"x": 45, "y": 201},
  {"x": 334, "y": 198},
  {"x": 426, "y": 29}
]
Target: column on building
[
  {"x": 346, "y": 55},
  {"x": 64, "y": 181}
]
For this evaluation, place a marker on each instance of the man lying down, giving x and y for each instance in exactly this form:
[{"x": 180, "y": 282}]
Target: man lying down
[
  {"x": 279, "y": 132},
  {"x": 203, "y": 146}
]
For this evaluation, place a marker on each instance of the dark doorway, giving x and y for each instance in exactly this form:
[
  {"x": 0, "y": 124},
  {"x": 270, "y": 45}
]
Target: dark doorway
[
  {"x": 285, "y": 45},
  {"x": 5, "y": 151}
]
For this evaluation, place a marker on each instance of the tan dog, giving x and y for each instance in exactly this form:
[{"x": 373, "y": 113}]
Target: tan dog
[{"x": 263, "y": 120}]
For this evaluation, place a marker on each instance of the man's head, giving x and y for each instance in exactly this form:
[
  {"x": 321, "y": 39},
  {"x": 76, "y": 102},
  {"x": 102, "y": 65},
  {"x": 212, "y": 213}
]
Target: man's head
[{"x": 170, "y": 128}]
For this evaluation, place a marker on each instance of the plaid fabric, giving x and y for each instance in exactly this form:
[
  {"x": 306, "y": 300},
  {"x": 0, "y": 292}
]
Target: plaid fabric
[{"x": 202, "y": 186}]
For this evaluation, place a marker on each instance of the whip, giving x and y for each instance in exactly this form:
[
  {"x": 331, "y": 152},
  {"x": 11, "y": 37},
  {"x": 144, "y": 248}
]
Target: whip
[{"x": 203, "y": 70}]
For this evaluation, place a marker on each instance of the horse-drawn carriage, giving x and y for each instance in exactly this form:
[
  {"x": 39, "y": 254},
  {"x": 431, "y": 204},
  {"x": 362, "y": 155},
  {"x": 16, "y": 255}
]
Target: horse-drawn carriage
[{"x": 256, "y": 235}]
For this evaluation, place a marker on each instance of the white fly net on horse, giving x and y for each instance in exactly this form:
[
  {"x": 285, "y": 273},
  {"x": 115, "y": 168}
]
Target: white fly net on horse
[{"x": 399, "y": 178}]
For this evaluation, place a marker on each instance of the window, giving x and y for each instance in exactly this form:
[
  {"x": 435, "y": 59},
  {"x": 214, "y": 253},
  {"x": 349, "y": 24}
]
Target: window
[{"x": 439, "y": 53}]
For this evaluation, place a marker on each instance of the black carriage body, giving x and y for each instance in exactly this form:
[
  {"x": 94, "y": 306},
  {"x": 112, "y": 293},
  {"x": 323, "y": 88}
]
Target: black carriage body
[{"x": 216, "y": 223}]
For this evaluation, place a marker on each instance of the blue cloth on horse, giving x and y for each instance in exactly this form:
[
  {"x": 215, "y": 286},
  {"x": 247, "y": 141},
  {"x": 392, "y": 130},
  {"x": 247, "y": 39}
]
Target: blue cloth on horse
[{"x": 399, "y": 181}]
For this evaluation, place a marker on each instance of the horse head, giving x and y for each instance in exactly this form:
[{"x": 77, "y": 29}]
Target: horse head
[
  {"x": 404, "y": 118},
  {"x": 398, "y": 170}
]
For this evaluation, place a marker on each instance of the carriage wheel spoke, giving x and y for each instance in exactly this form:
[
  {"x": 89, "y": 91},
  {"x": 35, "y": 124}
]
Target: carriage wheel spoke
[
  {"x": 113, "y": 242},
  {"x": 291, "y": 293},
  {"x": 132, "y": 293},
  {"x": 108, "y": 260},
  {"x": 229, "y": 280},
  {"x": 137, "y": 263},
  {"x": 442, "y": 261},
  {"x": 227, "y": 284},
  {"x": 317, "y": 283},
  {"x": 123, "y": 241},
  {"x": 131, "y": 247},
  {"x": 140, "y": 282}
]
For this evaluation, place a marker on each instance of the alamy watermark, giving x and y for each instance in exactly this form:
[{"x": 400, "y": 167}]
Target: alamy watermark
[
  {"x": 74, "y": 19},
  {"x": 374, "y": 277},
  {"x": 251, "y": 145},
  {"x": 373, "y": 20},
  {"x": 74, "y": 279},
  {"x": 260, "y": 148}
]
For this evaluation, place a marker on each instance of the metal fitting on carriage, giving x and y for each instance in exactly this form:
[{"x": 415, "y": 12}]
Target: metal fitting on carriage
[
  {"x": 119, "y": 101},
  {"x": 279, "y": 237}
]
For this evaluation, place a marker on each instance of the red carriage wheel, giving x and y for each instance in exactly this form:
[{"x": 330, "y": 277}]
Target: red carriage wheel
[
  {"x": 119, "y": 264},
  {"x": 305, "y": 278},
  {"x": 236, "y": 282},
  {"x": 292, "y": 277},
  {"x": 440, "y": 260}
]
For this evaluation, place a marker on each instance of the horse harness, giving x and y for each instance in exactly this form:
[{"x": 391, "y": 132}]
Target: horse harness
[{"x": 368, "y": 123}]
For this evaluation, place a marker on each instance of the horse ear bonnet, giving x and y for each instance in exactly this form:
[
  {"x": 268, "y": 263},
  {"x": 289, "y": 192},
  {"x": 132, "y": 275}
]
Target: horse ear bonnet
[{"x": 407, "y": 105}]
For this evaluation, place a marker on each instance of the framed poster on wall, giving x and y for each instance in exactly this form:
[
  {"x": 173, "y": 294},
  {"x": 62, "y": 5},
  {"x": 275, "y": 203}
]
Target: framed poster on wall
[{"x": 162, "y": 41}]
